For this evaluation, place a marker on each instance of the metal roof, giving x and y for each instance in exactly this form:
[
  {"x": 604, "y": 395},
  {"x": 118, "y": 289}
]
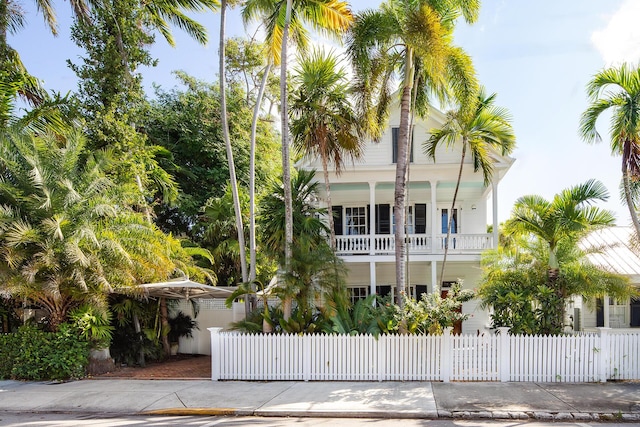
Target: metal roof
[{"x": 616, "y": 254}]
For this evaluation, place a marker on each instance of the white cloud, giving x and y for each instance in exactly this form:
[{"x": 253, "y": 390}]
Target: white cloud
[{"x": 619, "y": 40}]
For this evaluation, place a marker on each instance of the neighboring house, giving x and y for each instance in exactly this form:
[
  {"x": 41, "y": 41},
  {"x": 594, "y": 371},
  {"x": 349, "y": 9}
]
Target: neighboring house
[
  {"x": 619, "y": 257},
  {"x": 362, "y": 199}
]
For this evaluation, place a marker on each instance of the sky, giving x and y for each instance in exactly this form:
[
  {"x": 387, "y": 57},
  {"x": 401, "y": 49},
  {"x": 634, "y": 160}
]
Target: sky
[{"x": 537, "y": 56}]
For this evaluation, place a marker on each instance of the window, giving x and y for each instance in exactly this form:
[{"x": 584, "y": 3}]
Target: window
[
  {"x": 395, "y": 132},
  {"x": 408, "y": 221},
  {"x": 383, "y": 212},
  {"x": 358, "y": 293},
  {"x": 445, "y": 221},
  {"x": 356, "y": 221}
]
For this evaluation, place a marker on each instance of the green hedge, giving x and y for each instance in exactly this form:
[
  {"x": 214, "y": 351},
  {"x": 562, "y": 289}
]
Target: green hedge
[{"x": 34, "y": 355}]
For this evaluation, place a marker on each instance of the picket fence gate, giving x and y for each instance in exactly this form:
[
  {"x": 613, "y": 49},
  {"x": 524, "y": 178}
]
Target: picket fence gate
[{"x": 587, "y": 357}]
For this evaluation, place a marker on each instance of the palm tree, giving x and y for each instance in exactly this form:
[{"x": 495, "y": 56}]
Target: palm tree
[
  {"x": 566, "y": 218},
  {"x": 486, "y": 129},
  {"x": 618, "y": 90},
  {"x": 323, "y": 122},
  {"x": 233, "y": 182},
  {"x": 412, "y": 40},
  {"x": 281, "y": 18},
  {"x": 65, "y": 238}
]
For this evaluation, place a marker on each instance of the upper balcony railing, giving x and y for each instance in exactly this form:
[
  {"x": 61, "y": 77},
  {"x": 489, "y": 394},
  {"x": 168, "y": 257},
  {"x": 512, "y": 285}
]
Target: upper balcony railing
[{"x": 384, "y": 244}]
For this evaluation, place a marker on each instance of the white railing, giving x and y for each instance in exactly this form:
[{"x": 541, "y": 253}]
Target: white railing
[
  {"x": 382, "y": 244},
  {"x": 579, "y": 358}
]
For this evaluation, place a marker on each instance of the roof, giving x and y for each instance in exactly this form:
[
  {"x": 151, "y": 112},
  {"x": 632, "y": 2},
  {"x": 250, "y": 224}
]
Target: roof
[{"x": 617, "y": 254}]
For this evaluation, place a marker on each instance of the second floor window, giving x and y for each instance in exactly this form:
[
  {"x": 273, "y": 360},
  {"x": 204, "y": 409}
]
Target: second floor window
[
  {"x": 395, "y": 133},
  {"x": 445, "y": 221},
  {"x": 355, "y": 221}
]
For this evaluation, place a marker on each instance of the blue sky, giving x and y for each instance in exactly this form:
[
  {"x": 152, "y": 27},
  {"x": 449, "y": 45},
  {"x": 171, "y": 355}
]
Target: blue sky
[{"x": 537, "y": 55}]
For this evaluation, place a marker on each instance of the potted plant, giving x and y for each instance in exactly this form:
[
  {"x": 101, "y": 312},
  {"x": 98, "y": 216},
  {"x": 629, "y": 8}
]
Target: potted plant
[
  {"x": 181, "y": 325},
  {"x": 94, "y": 325}
]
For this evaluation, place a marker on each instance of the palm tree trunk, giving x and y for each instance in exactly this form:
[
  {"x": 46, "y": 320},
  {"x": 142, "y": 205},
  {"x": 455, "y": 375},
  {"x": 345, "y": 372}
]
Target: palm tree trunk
[
  {"x": 400, "y": 195},
  {"x": 286, "y": 171},
  {"x": 453, "y": 206},
  {"x": 227, "y": 142},
  {"x": 629, "y": 199},
  {"x": 327, "y": 184},
  {"x": 252, "y": 183},
  {"x": 164, "y": 321},
  {"x": 401, "y": 178}
]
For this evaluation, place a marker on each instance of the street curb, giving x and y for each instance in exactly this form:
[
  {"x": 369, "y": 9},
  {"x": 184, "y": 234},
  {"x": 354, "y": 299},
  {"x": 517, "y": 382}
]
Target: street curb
[{"x": 433, "y": 415}]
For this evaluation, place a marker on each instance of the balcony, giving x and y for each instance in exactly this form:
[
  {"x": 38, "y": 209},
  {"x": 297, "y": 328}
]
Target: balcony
[{"x": 384, "y": 244}]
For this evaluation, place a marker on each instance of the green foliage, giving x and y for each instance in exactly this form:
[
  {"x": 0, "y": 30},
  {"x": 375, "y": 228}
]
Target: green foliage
[
  {"x": 94, "y": 324},
  {"x": 182, "y": 325},
  {"x": 186, "y": 122},
  {"x": 34, "y": 355},
  {"x": 515, "y": 285}
]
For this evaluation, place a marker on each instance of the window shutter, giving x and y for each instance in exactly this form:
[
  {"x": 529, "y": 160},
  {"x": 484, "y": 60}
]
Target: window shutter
[
  {"x": 394, "y": 145},
  {"x": 383, "y": 220},
  {"x": 337, "y": 220},
  {"x": 421, "y": 218}
]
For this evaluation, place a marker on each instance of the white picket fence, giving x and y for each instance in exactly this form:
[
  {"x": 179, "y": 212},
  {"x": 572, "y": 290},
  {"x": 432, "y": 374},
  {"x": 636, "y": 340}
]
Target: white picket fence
[{"x": 502, "y": 357}]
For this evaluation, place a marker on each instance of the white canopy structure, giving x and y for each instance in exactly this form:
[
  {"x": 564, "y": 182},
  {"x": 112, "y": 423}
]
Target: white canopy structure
[{"x": 183, "y": 288}]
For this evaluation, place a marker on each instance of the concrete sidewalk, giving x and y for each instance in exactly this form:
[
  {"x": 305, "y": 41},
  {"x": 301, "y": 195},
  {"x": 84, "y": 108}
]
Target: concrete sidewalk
[{"x": 552, "y": 401}]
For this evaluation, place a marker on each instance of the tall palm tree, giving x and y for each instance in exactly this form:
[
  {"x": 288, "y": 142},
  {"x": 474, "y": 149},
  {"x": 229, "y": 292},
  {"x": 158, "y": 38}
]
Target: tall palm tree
[
  {"x": 618, "y": 89},
  {"x": 324, "y": 124},
  {"x": 487, "y": 128},
  {"x": 566, "y": 218},
  {"x": 412, "y": 40},
  {"x": 233, "y": 182},
  {"x": 283, "y": 20}
]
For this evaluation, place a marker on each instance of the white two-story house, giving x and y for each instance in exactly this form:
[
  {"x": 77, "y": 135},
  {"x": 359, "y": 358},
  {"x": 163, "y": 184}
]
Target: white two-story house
[{"x": 362, "y": 199}]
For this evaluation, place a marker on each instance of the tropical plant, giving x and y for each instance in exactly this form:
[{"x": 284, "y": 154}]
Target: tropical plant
[
  {"x": 282, "y": 20},
  {"x": 484, "y": 130},
  {"x": 94, "y": 324},
  {"x": 515, "y": 284},
  {"x": 559, "y": 223},
  {"x": 323, "y": 121},
  {"x": 65, "y": 237},
  {"x": 617, "y": 89},
  {"x": 410, "y": 41}
]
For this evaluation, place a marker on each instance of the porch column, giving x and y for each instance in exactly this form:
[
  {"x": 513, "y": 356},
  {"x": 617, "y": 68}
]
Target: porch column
[
  {"x": 435, "y": 286},
  {"x": 434, "y": 215},
  {"x": 494, "y": 190},
  {"x": 605, "y": 311},
  {"x": 372, "y": 217},
  {"x": 372, "y": 277}
]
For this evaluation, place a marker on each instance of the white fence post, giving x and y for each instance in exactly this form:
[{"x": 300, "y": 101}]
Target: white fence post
[
  {"x": 446, "y": 361},
  {"x": 504, "y": 354},
  {"x": 306, "y": 357},
  {"x": 604, "y": 353},
  {"x": 215, "y": 353},
  {"x": 381, "y": 347}
]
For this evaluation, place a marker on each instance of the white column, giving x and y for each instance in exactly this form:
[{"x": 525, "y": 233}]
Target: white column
[
  {"x": 372, "y": 217},
  {"x": 494, "y": 197},
  {"x": 372, "y": 277},
  {"x": 215, "y": 353},
  {"x": 435, "y": 286},
  {"x": 434, "y": 215}
]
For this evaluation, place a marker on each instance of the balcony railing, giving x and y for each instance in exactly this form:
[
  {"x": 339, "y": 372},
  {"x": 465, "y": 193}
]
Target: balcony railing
[{"x": 384, "y": 244}]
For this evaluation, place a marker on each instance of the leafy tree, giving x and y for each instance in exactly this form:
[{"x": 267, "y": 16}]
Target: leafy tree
[
  {"x": 515, "y": 284},
  {"x": 324, "y": 123},
  {"x": 411, "y": 42},
  {"x": 559, "y": 224},
  {"x": 487, "y": 128},
  {"x": 617, "y": 89},
  {"x": 186, "y": 124},
  {"x": 65, "y": 238}
]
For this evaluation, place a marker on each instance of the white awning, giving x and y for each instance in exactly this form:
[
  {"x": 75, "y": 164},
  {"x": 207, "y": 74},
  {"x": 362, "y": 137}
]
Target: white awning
[{"x": 183, "y": 288}]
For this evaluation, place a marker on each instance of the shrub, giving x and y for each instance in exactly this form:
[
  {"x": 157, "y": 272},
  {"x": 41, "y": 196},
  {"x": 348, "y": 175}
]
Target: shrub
[{"x": 35, "y": 355}]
